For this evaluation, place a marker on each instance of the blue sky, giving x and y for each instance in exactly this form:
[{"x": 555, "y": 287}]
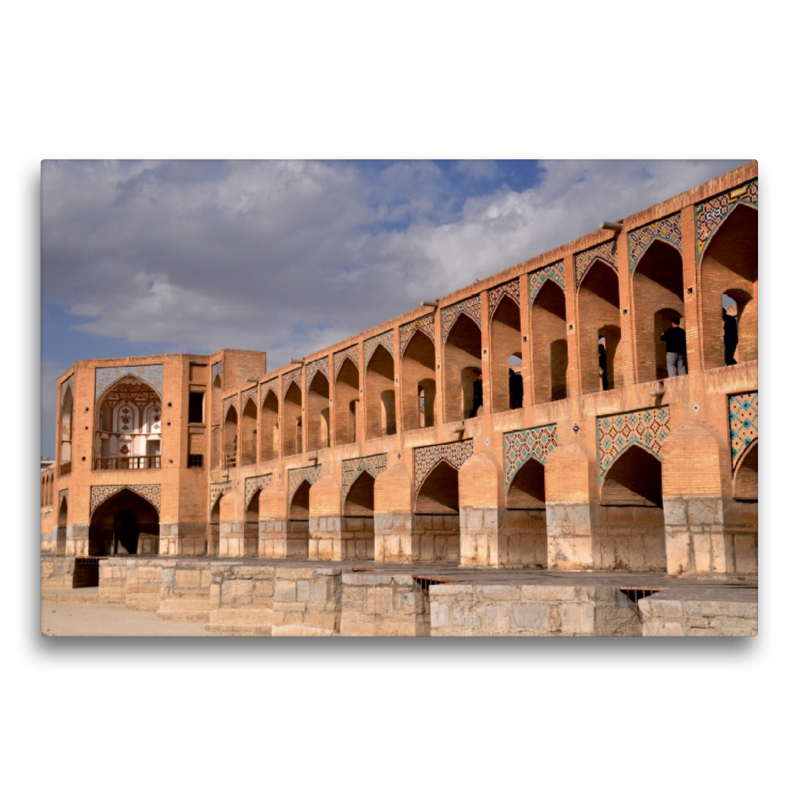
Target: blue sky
[{"x": 291, "y": 256}]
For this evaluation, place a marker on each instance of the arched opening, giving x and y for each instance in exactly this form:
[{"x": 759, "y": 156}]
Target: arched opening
[
  {"x": 381, "y": 419},
  {"x": 745, "y": 486},
  {"x": 598, "y": 306},
  {"x": 629, "y": 533},
  {"x": 358, "y": 520},
  {"x": 523, "y": 537},
  {"x": 657, "y": 299},
  {"x": 346, "y": 401},
  {"x": 212, "y": 545},
  {"x": 66, "y": 432},
  {"x": 471, "y": 392},
  {"x": 319, "y": 412},
  {"x": 216, "y": 415},
  {"x": 418, "y": 382},
  {"x": 462, "y": 358},
  {"x": 297, "y": 533},
  {"x": 292, "y": 421},
  {"x": 249, "y": 433},
  {"x": 549, "y": 343},
  {"x": 741, "y": 516},
  {"x": 230, "y": 437},
  {"x": 125, "y": 524},
  {"x": 436, "y": 532},
  {"x": 730, "y": 266},
  {"x": 251, "y": 525},
  {"x": 269, "y": 427},
  {"x": 506, "y": 341},
  {"x": 61, "y": 529}
]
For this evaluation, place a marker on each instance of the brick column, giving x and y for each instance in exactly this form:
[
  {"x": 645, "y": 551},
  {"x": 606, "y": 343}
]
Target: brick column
[
  {"x": 479, "y": 510},
  {"x": 325, "y": 520},
  {"x": 393, "y": 515}
]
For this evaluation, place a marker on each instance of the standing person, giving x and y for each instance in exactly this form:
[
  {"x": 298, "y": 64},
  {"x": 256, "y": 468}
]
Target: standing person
[
  {"x": 477, "y": 395},
  {"x": 675, "y": 338},
  {"x": 601, "y": 349},
  {"x": 730, "y": 333}
]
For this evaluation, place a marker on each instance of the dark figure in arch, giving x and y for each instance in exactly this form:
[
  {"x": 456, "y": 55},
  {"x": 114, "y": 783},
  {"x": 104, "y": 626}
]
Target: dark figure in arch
[
  {"x": 601, "y": 349},
  {"x": 477, "y": 395},
  {"x": 730, "y": 333},
  {"x": 515, "y": 388},
  {"x": 675, "y": 339}
]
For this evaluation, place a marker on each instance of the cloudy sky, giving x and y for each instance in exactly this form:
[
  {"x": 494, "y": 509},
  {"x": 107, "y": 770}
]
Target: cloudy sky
[{"x": 288, "y": 257}]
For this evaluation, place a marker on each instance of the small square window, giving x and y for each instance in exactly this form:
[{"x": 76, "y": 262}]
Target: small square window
[{"x": 196, "y": 461}]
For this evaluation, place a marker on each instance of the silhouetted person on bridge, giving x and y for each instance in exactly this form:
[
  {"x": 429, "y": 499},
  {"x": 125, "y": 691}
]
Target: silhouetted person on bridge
[
  {"x": 601, "y": 349},
  {"x": 730, "y": 333},
  {"x": 477, "y": 395},
  {"x": 675, "y": 338}
]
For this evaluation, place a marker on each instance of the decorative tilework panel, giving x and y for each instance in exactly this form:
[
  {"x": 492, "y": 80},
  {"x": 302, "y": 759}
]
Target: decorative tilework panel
[
  {"x": 667, "y": 229},
  {"x": 252, "y": 485},
  {"x": 648, "y": 427},
  {"x": 471, "y": 307},
  {"x": 371, "y": 345},
  {"x": 246, "y": 395},
  {"x": 710, "y": 214},
  {"x": 150, "y": 491},
  {"x": 265, "y": 387},
  {"x": 69, "y": 383},
  {"x": 288, "y": 377},
  {"x": 520, "y": 446},
  {"x": 233, "y": 400},
  {"x": 743, "y": 418},
  {"x": 353, "y": 467},
  {"x": 497, "y": 293},
  {"x": 150, "y": 373},
  {"x": 339, "y": 358},
  {"x": 425, "y": 324},
  {"x": 607, "y": 252},
  {"x": 554, "y": 272},
  {"x": 320, "y": 365},
  {"x": 215, "y": 490},
  {"x": 216, "y": 371},
  {"x": 427, "y": 458},
  {"x": 297, "y": 476}
]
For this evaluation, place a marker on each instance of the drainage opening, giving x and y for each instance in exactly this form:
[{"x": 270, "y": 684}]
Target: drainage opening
[
  {"x": 362, "y": 569},
  {"x": 426, "y": 583},
  {"x": 636, "y": 593}
]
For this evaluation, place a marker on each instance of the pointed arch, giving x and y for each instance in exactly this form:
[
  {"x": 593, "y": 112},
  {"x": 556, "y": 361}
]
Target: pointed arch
[
  {"x": 66, "y": 431},
  {"x": 462, "y": 365},
  {"x": 506, "y": 341},
  {"x": 745, "y": 479},
  {"x": 418, "y": 382},
  {"x": 380, "y": 394},
  {"x": 292, "y": 420},
  {"x": 599, "y": 318},
  {"x": 358, "y": 519},
  {"x": 249, "y": 432},
  {"x": 230, "y": 437},
  {"x": 548, "y": 336},
  {"x": 319, "y": 412},
  {"x": 436, "y": 524},
  {"x": 346, "y": 399},
  {"x": 269, "y": 426},
  {"x": 124, "y": 523}
]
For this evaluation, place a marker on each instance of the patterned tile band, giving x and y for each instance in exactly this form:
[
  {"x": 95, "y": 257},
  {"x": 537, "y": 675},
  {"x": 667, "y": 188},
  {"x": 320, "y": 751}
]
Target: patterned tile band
[
  {"x": 497, "y": 293},
  {"x": 247, "y": 395},
  {"x": 425, "y": 324},
  {"x": 150, "y": 373},
  {"x": 69, "y": 383},
  {"x": 667, "y": 230},
  {"x": 371, "y": 345},
  {"x": 216, "y": 490},
  {"x": 606, "y": 252},
  {"x": 150, "y": 491},
  {"x": 710, "y": 214},
  {"x": 216, "y": 371},
  {"x": 353, "y": 467},
  {"x": 271, "y": 385},
  {"x": 471, "y": 307},
  {"x": 297, "y": 476},
  {"x": 554, "y": 272},
  {"x": 340, "y": 357},
  {"x": 648, "y": 428},
  {"x": 233, "y": 400},
  {"x": 427, "y": 458},
  {"x": 320, "y": 365},
  {"x": 288, "y": 377},
  {"x": 743, "y": 418},
  {"x": 252, "y": 485},
  {"x": 520, "y": 446}
]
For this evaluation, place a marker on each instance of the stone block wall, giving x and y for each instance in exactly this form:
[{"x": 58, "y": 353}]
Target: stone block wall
[
  {"x": 186, "y": 592},
  {"x": 241, "y": 601},
  {"x": 670, "y": 614},
  {"x": 307, "y": 602},
  {"x": 376, "y": 604}
]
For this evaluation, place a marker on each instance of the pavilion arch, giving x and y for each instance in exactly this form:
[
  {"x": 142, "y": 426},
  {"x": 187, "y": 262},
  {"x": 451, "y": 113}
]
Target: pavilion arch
[
  {"x": 745, "y": 480},
  {"x": 269, "y": 427},
  {"x": 380, "y": 394},
  {"x": 523, "y": 535},
  {"x": 730, "y": 266},
  {"x": 297, "y": 524},
  {"x": 66, "y": 430},
  {"x": 550, "y": 359},
  {"x": 61, "y": 527},
  {"x": 251, "y": 522},
  {"x": 358, "y": 519},
  {"x": 230, "y": 437},
  {"x": 657, "y": 299},
  {"x": 319, "y": 412},
  {"x": 124, "y": 523},
  {"x": 292, "y": 418},
  {"x": 629, "y": 533},
  {"x": 436, "y": 529},
  {"x": 506, "y": 341},
  {"x": 599, "y": 316},
  {"x": 418, "y": 383},
  {"x": 346, "y": 398},
  {"x": 462, "y": 361},
  {"x": 212, "y": 543},
  {"x": 249, "y": 433}
]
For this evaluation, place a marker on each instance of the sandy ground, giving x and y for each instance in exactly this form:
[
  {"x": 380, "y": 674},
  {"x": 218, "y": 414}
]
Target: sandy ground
[{"x": 108, "y": 619}]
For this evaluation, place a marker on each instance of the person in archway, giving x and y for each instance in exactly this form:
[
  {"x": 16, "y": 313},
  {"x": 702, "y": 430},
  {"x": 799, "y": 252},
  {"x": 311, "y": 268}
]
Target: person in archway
[
  {"x": 601, "y": 352},
  {"x": 730, "y": 333},
  {"x": 675, "y": 339},
  {"x": 515, "y": 388},
  {"x": 477, "y": 395}
]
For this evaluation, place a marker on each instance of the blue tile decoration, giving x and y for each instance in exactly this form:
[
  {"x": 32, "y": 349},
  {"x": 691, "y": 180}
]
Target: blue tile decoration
[
  {"x": 353, "y": 467},
  {"x": 648, "y": 427},
  {"x": 216, "y": 490},
  {"x": 605, "y": 252},
  {"x": 271, "y": 385},
  {"x": 152, "y": 374},
  {"x": 425, "y": 324},
  {"x": 497, "y": 293},
  {"x": 69, "y": 383},
  {"x": 427, "y": 458},
  {"x": 320, "y": 365},
  {"x": 667, "y": 230},
  {"x": 216, "y": 371},
  {"x": 297, "y": 476},
  {"x": 520, "y": 446},
  {"x": 554, "y": 272},
  {"x": 471, "y": 307},
  {"x": 743, "y": 419},
  {"x": 371, "y": 345},
  {"x": 710, "y": 214},
  {"x": 340, "y": 357},
  {"x": 150, "y": 491},
  {"x": 252, "y": 485},
  {"x": 288, "y": 377}
]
